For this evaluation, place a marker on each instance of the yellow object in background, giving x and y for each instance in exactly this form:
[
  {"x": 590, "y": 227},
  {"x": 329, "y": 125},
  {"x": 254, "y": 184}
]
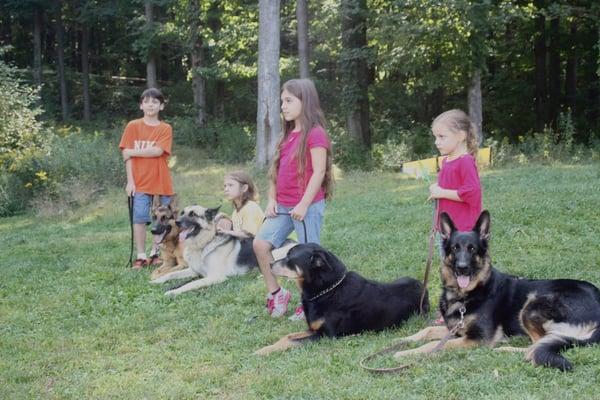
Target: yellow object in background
[{"x": 430, "y": 166}]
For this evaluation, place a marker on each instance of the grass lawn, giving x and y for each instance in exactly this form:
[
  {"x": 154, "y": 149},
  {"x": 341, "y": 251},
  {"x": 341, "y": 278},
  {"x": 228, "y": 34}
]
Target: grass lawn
[{"x": 74, "y": 323}]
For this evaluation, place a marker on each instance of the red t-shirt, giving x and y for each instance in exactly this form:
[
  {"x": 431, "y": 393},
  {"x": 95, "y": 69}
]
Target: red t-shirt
[
  {"x": 290, "y": 188},
  {"x": 461, "y": 175},
  {"x": 150, "y": 174}
]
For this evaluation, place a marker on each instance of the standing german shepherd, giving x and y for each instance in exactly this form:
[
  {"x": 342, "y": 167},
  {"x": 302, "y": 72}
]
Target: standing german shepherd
[{"x": 487, "y": 304}]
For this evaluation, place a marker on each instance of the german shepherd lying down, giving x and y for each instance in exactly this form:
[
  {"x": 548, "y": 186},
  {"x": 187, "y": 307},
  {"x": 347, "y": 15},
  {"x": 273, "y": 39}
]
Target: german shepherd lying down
[
  {"x": 555, "y": 314},
  {"x": 166, "y": 234},
  {"x": 211, "y": 256},
  {"x": 338, "y": 302}
]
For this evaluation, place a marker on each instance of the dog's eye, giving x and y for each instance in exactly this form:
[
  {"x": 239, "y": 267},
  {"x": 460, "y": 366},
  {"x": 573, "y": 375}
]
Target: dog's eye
[
  {"x": 455, "y": 247},
  {"x": 470, "y": 248}
]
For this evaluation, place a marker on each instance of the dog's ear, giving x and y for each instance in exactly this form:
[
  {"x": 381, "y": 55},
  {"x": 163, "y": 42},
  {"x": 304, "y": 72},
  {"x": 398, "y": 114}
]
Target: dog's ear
[
  {"x": 155, "y": 202},
  {"x": 482, "y": 226},
  {"x": 319, "y": 259},
  {"x": 211, "y": 213},
  {"x": 446, "y": 226},
  {"x": 174, "y": 204}
]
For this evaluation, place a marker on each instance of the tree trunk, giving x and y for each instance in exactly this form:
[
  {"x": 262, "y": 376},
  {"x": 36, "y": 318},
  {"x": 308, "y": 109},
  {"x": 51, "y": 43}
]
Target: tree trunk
[
  {"x": 37, "y": 46},
  {"x": 198, "y": 82},
  {"x": 354, "y": 69},
  {"x": 554, "y": 72},
  {"x": 475, "y": 103},
  {"x": 151, "y": 62},
  {"x": 213, "y": 20},
  {"x": 85, "y": 71},
  {"x": 540, "y": 71},
  {"x": 571, "y": 69},
  {"x": 268, "y": 115},
  {"x": 220, "y": 98},
  {"x": 60, "y": 67},
  {"x": 303, "y": 53}
]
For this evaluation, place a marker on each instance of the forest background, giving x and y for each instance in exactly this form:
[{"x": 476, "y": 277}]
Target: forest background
[{"x": 71, "y": 73}]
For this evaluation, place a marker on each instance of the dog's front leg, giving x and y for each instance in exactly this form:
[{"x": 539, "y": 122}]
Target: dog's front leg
[
  {"x": 183, "y": 274},
  {"x": 429, "y": 333},
  {"x": 286, "y": 342},
  {"x": 197, "y": 284},
  {"x": 460, "y": 342}
]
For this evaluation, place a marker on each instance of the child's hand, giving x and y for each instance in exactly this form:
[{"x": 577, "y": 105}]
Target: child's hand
[
  {"x": 126, "y": 155},
  {"x": 298, "y": 212},
  {"x": 130, "y": 189},
  {"x": 271, "y": 209},
  {"x": 434, "y": 191}
]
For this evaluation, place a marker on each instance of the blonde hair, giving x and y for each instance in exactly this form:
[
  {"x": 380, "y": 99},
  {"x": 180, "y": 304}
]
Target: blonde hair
[
  {"x": 244, "y": 179},
  {"x": 457, "y": 121},
  {"x": 311, "y": 116}
]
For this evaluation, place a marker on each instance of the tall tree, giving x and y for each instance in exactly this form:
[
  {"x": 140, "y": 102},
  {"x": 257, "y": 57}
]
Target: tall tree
[
  {"x": 477, "y": 12},
  {"x": 303, "y": 42},
  {"x": 60, "y": 62},
  {"x": 197, "y": 53},
  {"x": 571, "y": 68},
  {"x": 540, "y": 66},
  {"x": 355, "y": 70},
  {"x": 554, "y": 71},
  {"x": 151, "y": 60},
  {"x": 85, "y": 71},
  {"x": 268, "y": 115},
  {"x": 37, "y": 45}
]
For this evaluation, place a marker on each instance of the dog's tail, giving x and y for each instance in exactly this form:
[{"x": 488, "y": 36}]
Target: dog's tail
[{"x": 546, "y": 351}]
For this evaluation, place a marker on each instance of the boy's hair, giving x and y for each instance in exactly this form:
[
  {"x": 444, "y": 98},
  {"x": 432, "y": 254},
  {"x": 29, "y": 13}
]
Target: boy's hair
[
  {"x": 311, "y": 116},
  {"x": 152, "y": 93},
  {"x": 458, "y": 121},
  {"x": 244, "y": 179}
]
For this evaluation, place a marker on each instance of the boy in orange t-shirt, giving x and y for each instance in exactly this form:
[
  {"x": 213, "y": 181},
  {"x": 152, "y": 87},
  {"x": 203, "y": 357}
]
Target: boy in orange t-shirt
[{"x": 146, "y": 147}]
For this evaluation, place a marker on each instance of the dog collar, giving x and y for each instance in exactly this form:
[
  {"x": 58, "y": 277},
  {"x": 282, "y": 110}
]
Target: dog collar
[{"x": 323, "y": 292}]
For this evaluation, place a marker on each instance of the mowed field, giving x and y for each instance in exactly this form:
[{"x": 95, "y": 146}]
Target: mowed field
[{"x": 75, "y": 323}]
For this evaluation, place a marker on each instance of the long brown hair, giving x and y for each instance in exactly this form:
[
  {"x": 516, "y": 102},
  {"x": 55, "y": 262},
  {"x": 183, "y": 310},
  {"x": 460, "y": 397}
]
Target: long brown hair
[
  {"x": 310, "y": 117},
  {"x": 458, "y": 121},
  {"x": 244, "y": 179}
]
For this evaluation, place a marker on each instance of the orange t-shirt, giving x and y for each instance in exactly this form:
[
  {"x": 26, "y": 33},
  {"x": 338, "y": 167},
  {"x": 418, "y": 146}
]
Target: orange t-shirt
[{"x": 150, "y": 174}]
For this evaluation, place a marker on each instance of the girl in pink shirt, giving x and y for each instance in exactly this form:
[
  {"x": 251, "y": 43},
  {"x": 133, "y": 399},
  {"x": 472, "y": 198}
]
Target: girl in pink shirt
[
  {"x": 458, "y": 189},
  {"x": 300, "y": 181}
]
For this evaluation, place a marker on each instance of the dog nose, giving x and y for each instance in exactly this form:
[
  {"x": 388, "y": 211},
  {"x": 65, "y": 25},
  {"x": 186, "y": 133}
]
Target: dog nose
[{"x": 462, "y": 268}]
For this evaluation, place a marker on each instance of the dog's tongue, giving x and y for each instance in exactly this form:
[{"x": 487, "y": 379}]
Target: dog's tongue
[
  {"x": 183, "y": 234},
  {"x": 463, "y": 281}
]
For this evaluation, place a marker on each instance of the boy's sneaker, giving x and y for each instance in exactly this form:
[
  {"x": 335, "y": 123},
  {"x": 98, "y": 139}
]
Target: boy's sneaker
[
  {"x": 139, "y": 263},
  {"x": 298, "y": 315},
  {"x": 280, "y": 303}
]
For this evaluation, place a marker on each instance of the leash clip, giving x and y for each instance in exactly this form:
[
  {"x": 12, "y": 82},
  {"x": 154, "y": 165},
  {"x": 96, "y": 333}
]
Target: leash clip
[{"x": 462, "y": 311}]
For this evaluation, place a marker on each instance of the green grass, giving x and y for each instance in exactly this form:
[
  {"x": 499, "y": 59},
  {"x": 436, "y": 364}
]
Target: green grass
[{"x": 74, "y": 323}]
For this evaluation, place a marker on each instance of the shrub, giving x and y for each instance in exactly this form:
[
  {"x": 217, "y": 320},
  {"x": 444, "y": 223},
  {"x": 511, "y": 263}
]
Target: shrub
[{"x": 223, "y": 141}]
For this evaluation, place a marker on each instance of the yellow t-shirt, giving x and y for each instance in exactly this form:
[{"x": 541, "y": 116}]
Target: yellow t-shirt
[{"x": 248, "y": 219}]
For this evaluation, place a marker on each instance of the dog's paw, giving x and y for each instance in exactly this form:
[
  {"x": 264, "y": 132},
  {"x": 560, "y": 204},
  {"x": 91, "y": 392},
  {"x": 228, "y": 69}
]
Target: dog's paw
[
  {"x": 156, "y": 281},
  {"x": 171, "y": 293}
]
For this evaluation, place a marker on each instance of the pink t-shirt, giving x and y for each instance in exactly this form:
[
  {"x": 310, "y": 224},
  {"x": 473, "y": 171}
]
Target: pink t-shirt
[
  {"x": 290, "y": 188},
  {"x": 461, "y": 175}
]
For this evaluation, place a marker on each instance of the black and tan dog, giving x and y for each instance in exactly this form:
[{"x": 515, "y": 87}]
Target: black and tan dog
[
  {"x": 338, "y": 302},
  {"x": 166, "y": 235},
  {"x": 488, "y": 305}
]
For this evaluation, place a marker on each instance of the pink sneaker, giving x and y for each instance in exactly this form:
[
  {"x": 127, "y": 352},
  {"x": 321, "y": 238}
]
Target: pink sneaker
[
  {"x": 298, "y": 314},
  {"x": 280, "y": 303},
  {"x": 270, "y": 303}
]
